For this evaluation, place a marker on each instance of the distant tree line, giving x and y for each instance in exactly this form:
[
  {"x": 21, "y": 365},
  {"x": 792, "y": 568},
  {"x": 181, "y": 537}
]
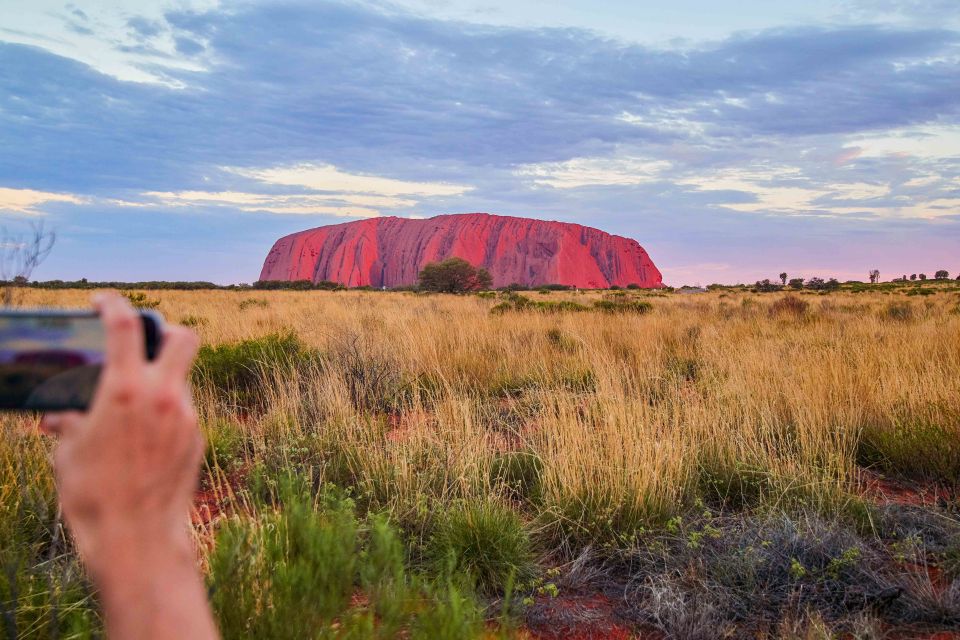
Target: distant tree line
[{"x": 813, "y": 284}]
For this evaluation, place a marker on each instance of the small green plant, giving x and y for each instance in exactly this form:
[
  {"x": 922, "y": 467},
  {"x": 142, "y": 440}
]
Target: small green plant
[
  {"x": 913, "y": 447},
  {"x": 519, "y": 473},
  {"x": 193, "y": 321},
  {"x": 488, "y": 541},
  {"x": 517, "y": 302},
  {"x": 235, "y": 370},
  {"x": 140, "y": 300},
  {"x": 293, "y": 573},
  {"x": 253, "y": 303},
  {"x": 623, "y": 306},
  {"x": 797, "y": 570}
]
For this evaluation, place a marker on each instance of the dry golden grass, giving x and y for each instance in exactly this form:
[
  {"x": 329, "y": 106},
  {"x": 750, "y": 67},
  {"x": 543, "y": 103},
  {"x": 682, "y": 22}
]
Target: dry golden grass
[
  {"x": 595, "y": 428},
  {"x": 630, "y": 417}
]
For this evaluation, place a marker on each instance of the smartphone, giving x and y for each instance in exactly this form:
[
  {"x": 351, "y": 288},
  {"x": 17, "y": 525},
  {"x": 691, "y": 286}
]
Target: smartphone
[{"x": 50, "y": 360}]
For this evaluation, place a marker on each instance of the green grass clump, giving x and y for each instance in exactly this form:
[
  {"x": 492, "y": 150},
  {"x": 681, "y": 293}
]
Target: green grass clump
[
  {"x": 253, "y": 303},
  {"x": 623, "y": 305},
  {"x": 236, "y": 370},
  {"x": 917, "y": 449},
  {"x": 517, "y": 302},
  {"x": 312, "y": 569},
  {"x": 140, "y": 300},
  {"x": 43, "y": 591},
  {"x": 288, "y": 575},
  {"x": 485, "y": 540},
  {"x": 519, "y": 473},
  {"x": 191, "y": 320}
]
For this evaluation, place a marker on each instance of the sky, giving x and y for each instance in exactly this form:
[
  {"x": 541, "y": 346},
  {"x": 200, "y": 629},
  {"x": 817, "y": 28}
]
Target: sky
[{"x": 734, "y": 140}]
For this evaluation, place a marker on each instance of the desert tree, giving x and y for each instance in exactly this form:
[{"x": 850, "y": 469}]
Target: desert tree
[
  {"x": 942, "y": 274},
  {"x": 21, "y": 254},
  {"x": 922, "y": 276},
  {"x": 766, "y": 285},
  {"x": 796, "y": 283},
  {"x": 783, "y": 278},
  {"x": 454, "y": 275},
  {"x": 874, "y": 276},
  {"x": 913, "y": 276}
]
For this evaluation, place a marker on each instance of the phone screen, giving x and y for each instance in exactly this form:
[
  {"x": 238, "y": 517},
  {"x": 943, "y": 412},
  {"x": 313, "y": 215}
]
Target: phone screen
[{"x": 51, "y": 360}]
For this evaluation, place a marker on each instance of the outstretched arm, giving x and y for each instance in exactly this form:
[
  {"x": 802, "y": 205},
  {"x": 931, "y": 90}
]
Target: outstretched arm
[{"x": 126, "y": 472}]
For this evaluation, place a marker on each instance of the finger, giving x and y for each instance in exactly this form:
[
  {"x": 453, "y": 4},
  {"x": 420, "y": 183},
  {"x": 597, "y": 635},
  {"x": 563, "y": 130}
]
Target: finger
[
  {"x": 62, "y": 424},
  {"x": 125, "y": 350},
  {"x": 177, "y": 352}
]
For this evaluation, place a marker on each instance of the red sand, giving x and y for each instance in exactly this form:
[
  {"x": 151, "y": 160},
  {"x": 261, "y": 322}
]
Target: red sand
[{"x": 391, "y": 252}]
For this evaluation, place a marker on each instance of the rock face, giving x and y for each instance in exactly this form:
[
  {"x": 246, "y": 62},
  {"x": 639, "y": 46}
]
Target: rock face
[{"x": 391, "y": 252}]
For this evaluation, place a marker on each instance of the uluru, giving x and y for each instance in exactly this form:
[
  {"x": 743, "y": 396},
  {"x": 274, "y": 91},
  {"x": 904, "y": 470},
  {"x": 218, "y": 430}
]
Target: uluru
[{"x": 391, "y": 251}]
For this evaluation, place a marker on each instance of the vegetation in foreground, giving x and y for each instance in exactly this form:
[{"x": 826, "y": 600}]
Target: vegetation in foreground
[{"x": 727, "y": 464}]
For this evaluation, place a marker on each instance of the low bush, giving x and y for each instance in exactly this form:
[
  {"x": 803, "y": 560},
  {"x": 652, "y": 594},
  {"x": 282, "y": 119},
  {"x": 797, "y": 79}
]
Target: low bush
[
  {"x": 193, "y": 321},
  {"x": 561, "y": 340},
  {"x": 373, "y": 377},
  {"x": 226, "y": 445},
  {"x": 235, "y": 371},
  {"x": 253, "y": 303},
  {"x": 297, "y": 572},
  {"x": 517, "y": 302},
  {"x": 623, "y": 306},
  {"x": 140, "y": 300},
  {"x": 43, "y": 590},
  {"x": 913, "y": 447}
]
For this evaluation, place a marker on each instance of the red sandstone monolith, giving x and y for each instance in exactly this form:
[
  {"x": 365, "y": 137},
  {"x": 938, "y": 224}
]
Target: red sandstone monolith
[{"x": 391, "y": 251}]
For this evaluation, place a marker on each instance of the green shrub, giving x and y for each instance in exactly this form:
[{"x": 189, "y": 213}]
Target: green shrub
[
  {"x": 517, "y": 302},
  {"x": 623, "y": 306},
  {"x": 236, "y": 370},
  {"x": 488, "y": 541},
  {"x": 140, "y": 300},
  {"x": 293, "y": 572},
  {"x": 226, "y": 445},
  {"x": 914, "y": 448},
  {"x": 253, "y": 303},
  {"x": 453, "y": 275},
  {"x": 43, "y": 590},
  {"x": 193, "y": 321},
  {"x": 289, "y": 574}
]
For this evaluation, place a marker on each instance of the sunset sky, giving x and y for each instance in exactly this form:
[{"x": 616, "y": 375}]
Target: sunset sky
[{"x": 178, "y": 140}]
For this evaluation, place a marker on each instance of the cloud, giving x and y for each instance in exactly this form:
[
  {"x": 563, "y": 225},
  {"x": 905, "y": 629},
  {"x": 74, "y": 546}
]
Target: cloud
[
  {"x": 30, "y": 202},
  {"x": 580, "y": 172},
  {"x": 329, "y": 178},
  {"x": 343, "y": 206}
]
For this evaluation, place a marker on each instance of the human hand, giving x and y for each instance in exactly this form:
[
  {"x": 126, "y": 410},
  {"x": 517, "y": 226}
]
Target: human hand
[{"x": 126, "y": 472}]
